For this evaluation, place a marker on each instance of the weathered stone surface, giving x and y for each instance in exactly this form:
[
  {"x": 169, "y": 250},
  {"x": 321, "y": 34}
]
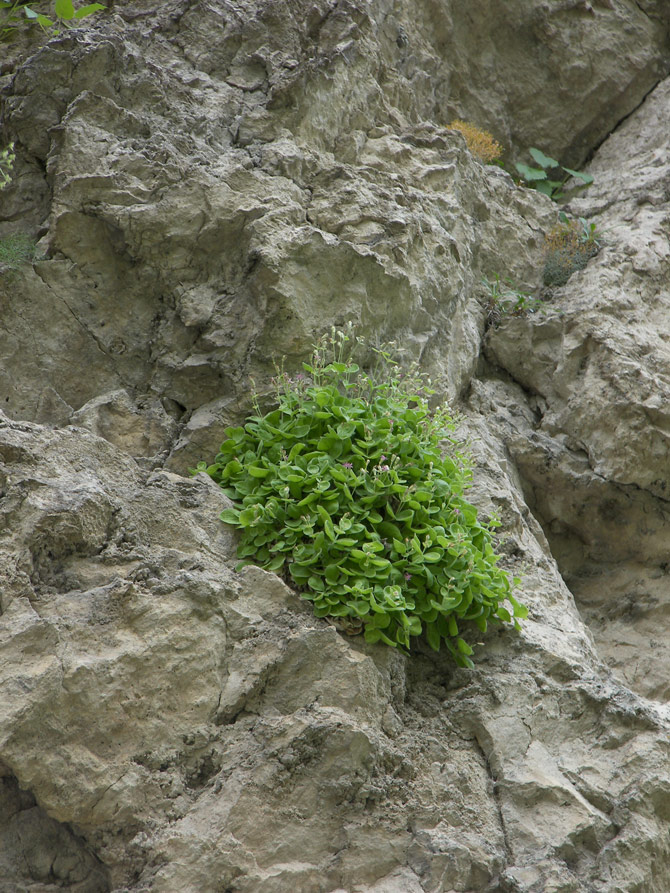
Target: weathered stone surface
[
  {"x": 187, "y": 288},
  {"x": 36, "y": 848},
  {"x": 213, "y": 185},
  {"x": 595, "y": 457},
  {"x": 313, "y": 180},
  {"x": 144, "y": 431},
  {"x": 193, "y": 724}
]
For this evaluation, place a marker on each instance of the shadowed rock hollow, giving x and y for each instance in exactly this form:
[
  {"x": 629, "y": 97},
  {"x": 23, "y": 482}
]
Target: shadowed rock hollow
[{"x": 212, "y": 185}]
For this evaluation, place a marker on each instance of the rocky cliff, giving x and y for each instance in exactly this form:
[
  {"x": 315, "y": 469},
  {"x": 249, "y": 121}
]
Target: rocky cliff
[{"x": 211, "y": 184}]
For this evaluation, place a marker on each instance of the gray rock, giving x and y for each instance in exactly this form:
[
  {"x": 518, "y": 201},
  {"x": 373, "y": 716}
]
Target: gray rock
[
  {"x": 213, "y": 186},
  {"x": 141, "y": 431},
  {"x": 595, "y": 457}
]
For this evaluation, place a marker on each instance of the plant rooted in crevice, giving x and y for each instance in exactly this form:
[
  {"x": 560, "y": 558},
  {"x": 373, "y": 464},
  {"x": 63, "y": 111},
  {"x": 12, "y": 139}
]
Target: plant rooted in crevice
[
  {"x": 15, "y": 250},
  {"x": 16, "y": 15},
  {"x": 547, "y": 177},
  {"x": 568, "y": 247},
  {"x": 7, "y": 159},
  {"x": 480, "y": 142},
  {"x": 507, "y": 300},
  {"x": 347, "y": 491}
]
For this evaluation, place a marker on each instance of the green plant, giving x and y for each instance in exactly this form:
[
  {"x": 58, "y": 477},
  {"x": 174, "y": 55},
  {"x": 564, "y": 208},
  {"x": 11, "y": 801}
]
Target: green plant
[
  {"x": 16, "y": 14},
  {"x": 7, "y": 159},
  {"x": 568, "y": 247},
  {"x": 538, "y": 177},
  {"x": 11, "y": 18},
  {"x": 15, "y": 250},
  {"x": 506, "y": 300},
  {"x": 589, "y": 235},
  {"x": 345, "y": 490},
  {"x": 480, "y": 142}
]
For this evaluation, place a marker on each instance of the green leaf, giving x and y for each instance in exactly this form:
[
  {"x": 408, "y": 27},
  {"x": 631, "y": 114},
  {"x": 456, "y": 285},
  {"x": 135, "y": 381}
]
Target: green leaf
[
  {"x": 547, "y": 187},
  {"x": 406, "y": 516},
  {"x": 323, "y": 514},
  {"x": 587, "y": 179},
  {"x": 256, "y": 472},
  {"x": 380, "y": 621},
  {"x": 433, "y": 636},
  {"x": 296, "y": 449},
  {"x": 332, "y": 573},
  {"x": 530, "y": 173},
  {"x": 346, "y": 429},
  {"x": 236, "y": 434},
  {"x": 84, "y": 11},
  {"x": 543, "y": 160},
  {"x": 230, "y": 516},
  {"x": 520, "y": 611},
  {"x": 415, "y": 625},
  {"x": 389, "y": 530},
  {"x": 247, "y": 517},
  {"x": 64, "y": 9},
  {"x": 463, "y": 646}
]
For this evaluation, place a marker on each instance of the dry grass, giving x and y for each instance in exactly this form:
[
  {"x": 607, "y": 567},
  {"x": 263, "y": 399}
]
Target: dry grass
[{"x": 480, "y": 142}]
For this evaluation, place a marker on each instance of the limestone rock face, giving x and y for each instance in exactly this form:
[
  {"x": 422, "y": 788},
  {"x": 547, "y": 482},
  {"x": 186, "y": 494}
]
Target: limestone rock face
[
  {"x": 213, "y": 185},
  {"x": 596, "y": 455}
]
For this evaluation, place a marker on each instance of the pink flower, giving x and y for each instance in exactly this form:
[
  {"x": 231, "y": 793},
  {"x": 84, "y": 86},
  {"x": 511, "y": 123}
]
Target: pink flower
[
  {"x": 347, "y": 465},
  {"x": 408, "y": 576}
]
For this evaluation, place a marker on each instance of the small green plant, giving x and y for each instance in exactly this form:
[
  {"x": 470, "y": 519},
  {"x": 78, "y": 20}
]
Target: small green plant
[
  {"x": 589, "y": 235},
  {"x": 568, "y": 247},
  {"x": 15, "y": 250},
  {"x": 11, "y": 17},
  {"x": 346, "y": 491},
  {"x": 7, "y": 159},
  {"x": 506, "y": 300},
  {"x": 17, "y": 14},
  {"x": 539, "y": 177}
]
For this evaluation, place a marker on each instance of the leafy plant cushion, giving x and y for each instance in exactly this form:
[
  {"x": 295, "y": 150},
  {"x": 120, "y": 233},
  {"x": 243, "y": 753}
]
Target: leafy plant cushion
[{"x": 346, "y": 490}]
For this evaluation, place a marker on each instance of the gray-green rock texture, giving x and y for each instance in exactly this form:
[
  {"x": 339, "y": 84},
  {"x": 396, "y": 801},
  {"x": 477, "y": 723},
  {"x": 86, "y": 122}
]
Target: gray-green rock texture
[{"x": 211, "y": 185}]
